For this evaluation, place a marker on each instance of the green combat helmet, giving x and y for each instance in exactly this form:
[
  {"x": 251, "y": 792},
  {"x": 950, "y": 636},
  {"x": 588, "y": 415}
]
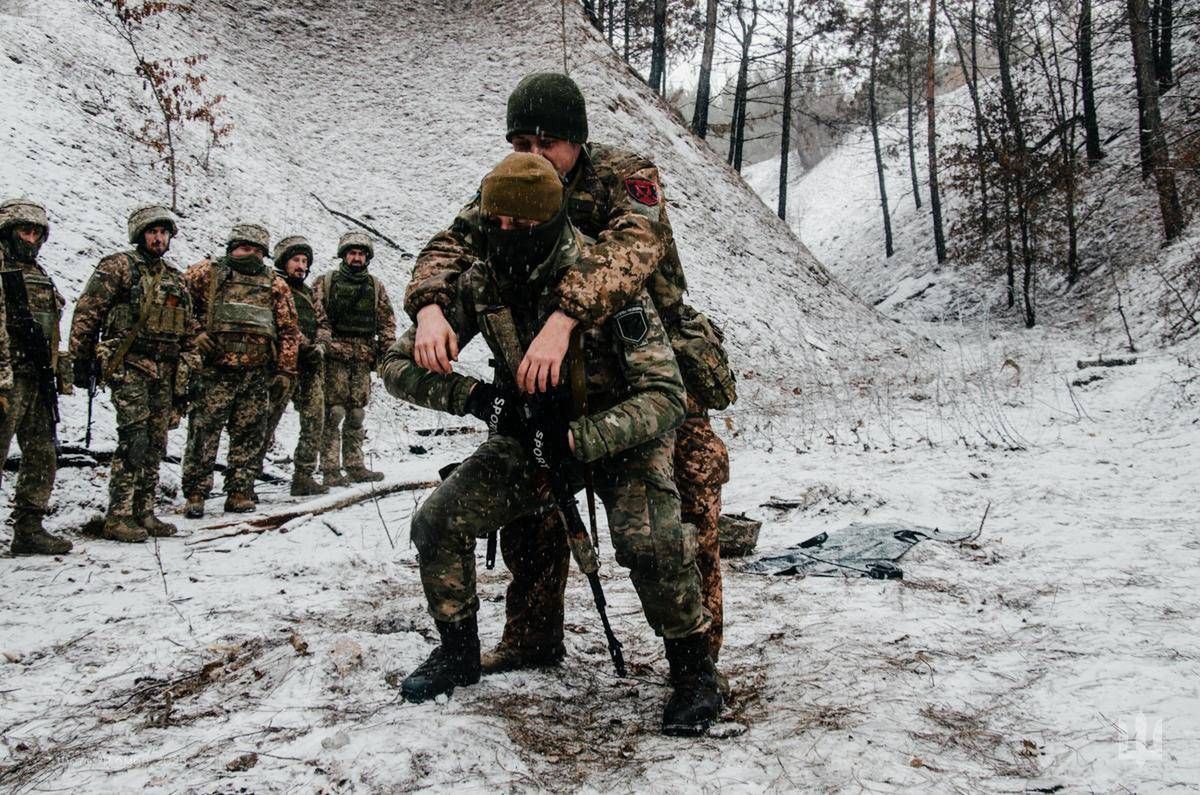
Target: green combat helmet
[
  {"x": 289, "y": 247},
  {"x": 143, "y": 218},
  {"x": 356, "y": 240},
  {"x": 549, "y": 104},
  {"x": 23, "y": 211},
  {"x": 251, "y": 234}
]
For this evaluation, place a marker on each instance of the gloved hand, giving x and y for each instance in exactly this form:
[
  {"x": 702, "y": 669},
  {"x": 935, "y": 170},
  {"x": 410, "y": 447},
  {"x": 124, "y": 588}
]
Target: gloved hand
[
  {"x": 3, "y": 408},
  {"x": 503, "y": 411},
  {"x": 206, "y": 344},
  {"x": 549, "y": 434},
  {"x": 82, "y": 370},
  {"x": 281, "y": 384}
]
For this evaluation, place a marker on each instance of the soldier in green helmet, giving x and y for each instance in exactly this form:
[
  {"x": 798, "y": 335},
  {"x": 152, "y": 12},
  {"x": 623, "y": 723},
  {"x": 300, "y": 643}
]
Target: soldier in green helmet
[
  {"x": 614, "y": 196},
  {"x": 364, "y": 327},
  {"x": 32, "y": 311},
  {"x": 132, "y": 327},
  {"x": 293, "y": 260},
  {"x": 249, "y": 339}
]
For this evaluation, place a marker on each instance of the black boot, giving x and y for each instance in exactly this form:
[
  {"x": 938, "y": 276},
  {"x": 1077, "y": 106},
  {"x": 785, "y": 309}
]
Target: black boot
[
  {"x": 454, "y": 663},
  {"x": 696, "y": 700}
]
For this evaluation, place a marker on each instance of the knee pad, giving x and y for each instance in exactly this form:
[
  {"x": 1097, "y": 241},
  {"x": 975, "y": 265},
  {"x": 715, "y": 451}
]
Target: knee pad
[
  {"x": 133, "y": 442},
  {"x": 335, "y": 415},
  {"x": 422, "y": 532},
  {"x": 355, "y": 417}
]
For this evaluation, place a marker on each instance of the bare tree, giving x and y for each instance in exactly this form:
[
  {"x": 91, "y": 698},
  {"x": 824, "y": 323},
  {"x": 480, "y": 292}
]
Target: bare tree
[
  {"x": 658, "y": 50},
  {"x": 935, "y": 202},
  {"x": 785, "y": 138},
  {"x": 876, "y": 34},
  {"x": 1091, "y": 126},
  {"x": 910, "y": 91},
  {"x": 737, "y": 135},
  {"x": 704, "y": 85}
]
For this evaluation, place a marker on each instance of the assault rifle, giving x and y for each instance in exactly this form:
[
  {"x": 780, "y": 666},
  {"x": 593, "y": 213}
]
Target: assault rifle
[
  {"x": 93, "y": 386},
  {"x": 544, "y": 411},
  {"x": 30, "y": 339}
]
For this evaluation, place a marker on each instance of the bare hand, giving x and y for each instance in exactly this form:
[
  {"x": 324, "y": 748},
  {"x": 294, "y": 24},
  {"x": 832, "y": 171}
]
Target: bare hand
[
  {"x": 542, "y": 365},
  {"x": 436, "y": 345}
]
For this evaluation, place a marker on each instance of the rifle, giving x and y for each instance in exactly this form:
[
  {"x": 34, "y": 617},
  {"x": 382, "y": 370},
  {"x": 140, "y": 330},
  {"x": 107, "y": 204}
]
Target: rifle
[
  {"x": 92, "y": 388},
  {"x": 550, "y": 476},
  {"x": 30, "y": 339}
]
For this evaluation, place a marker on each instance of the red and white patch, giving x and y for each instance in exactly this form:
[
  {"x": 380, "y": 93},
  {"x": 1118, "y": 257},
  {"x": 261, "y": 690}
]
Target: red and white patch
[{"x": 643, "y": 191}]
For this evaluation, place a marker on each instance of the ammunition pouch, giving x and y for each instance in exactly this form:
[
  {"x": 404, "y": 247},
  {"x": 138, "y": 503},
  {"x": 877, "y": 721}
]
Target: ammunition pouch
[{"x": 699, "y": 349}]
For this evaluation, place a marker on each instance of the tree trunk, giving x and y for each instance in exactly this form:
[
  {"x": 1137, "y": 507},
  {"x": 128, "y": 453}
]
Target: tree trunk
[
  {"x": 590, "y": 7},
  {"x": 1091, "y": 126},
  {"x": 738, "y": 129},
  {"x": 1009, "y": 256},
  {"x": 625, "y": 24},
  {"x": 873, "y": 111},
  {"x": 984, "y": 218},
  {"x": 1163, "y": 67},
  {"x": 935, "y": 201},
  {"x": 658, "y": 48},
  {"x": 704, "y": 86},
  {"x": 1159, "y": 159},
  {"x": 785, "y": 138},
  {"x": 909, "y": 93}
]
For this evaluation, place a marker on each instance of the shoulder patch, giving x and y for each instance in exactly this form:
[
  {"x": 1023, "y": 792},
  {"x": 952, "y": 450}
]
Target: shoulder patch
[
  {"x": 643, "y": 191},
  {"x": 632, "y": 325}
]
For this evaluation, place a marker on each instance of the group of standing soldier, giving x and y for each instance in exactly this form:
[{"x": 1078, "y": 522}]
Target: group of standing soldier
[
  {"x": 565, "y": 264},
  {"x": 229, "y": 343}
]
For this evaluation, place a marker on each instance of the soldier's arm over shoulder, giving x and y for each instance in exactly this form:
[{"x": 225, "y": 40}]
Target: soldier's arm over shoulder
[
  {"x": 657, "y": 400},
  {"x": 195, "y": 280},
  {"x": 287, "y": 327},
  {"x": 108, "y": 282},
  {"x": 386, "y": 325},
  {"x": 614, "y": 269},
  {"x": 445, "y": 257},
  {"x": 404, "y": 379}
]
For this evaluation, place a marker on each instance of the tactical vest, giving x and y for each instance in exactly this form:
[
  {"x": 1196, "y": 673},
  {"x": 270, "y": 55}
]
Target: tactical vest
[
  {"x": 351, "y": 305},
  {"x": 241, "y": 312},
  {"x": 166, "y": 312},
  {"x": 42, "y": 305},
  {"x": 306, "y": 313}
]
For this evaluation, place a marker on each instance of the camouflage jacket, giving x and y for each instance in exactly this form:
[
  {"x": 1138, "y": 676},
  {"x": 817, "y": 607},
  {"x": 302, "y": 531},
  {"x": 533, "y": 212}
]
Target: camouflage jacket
[
  {"x": 6, "y": 373},
  {"x": 324, "y": 335},
  {"x": 613, "y": 197},
  {"x": 44, "y": 301},
  {"x": 635, "y": 392},
  {"x": 198, "y": 277},
  {"x": 110, "y": 291},
  {"x": 361, "y": 349}
]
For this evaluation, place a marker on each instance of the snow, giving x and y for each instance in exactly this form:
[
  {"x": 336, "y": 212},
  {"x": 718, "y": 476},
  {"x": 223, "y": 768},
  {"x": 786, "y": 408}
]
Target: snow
[{"x": 1042, "y": 655}]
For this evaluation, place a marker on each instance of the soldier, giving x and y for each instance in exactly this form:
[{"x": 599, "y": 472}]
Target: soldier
[
  {"x": 250, "y": 339},
  {"x": 32, "y": 310},
  {"x": 137, "y": 302},
  {"x": 293, "y": 260},
  {"x": 636, "y": 399},
  {"x": 613, "y": 197},
  {"x": 364, "y": 327}
]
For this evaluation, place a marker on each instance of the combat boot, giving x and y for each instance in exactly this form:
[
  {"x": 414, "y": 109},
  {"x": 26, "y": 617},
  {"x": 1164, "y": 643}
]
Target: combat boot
[
  {"x": 30, "y": 538},
  {"x": 195, "y": 506},
  {"x": 695, "y": 701},
  {"x": 239, "y": 502},
  {"x": 157, "y": 527},
  {"x": 454, "y": 663},
  {"x": 303, "y": 485},
  {"x": 334, "y": 477},
  {"x": 360, "y": 474},
  {"x": 511, "y": 657},
  {"x": 124, "y": 529}
]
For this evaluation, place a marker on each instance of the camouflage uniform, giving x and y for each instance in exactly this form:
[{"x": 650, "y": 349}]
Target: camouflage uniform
[
  {"x": 613, "y": 196},
  {"x": 636, "y": 398},
  {"x": 363, "y": 327},
  {"x": 308, "y": 392},
  {"x": 253, "y": 320},
  {"x": 125, "y": 291},
  {"x": 28, "y": 418}
]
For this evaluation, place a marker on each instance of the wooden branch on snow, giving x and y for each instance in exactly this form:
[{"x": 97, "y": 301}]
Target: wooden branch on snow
[
  {"x": 274, "y": 521},
  {"x": 1100, "y": 361},
  {"x": 363, "y": 224}
]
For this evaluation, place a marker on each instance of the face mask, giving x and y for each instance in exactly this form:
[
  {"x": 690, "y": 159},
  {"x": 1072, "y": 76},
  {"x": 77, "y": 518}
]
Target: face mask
[
  {"x": 22, "y": 251},
  {"x": 517, "y": 252},
  {"x": 248, "y": 265}
]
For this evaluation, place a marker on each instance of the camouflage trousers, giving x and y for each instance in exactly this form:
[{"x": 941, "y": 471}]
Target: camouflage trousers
[
  {"x": 308, "y": 396},
  {"x": 536, "y": 553},
  {"x": 143, "y": 406},
  {"x": 347, "y": 391},
  {"x": 29, "y": 421},
  {"x": 494, "y": 486},
  {"x": 236, "y": 400}
]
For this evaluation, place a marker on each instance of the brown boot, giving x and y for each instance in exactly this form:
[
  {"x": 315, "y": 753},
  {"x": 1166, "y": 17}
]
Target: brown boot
[
  {"x": 334, "y": 477},
  {"x": 239, "y": 502},
  {"x": 157, "y": 527},
  {"x": 124, "y": 529},
  {"x": 195, "y": 506},
  {"x": 360, "y": 474},
  {"x": 511, "y": 657},
  {"x": 303, "y": 485},
  {"x": 30, "y": 538}
]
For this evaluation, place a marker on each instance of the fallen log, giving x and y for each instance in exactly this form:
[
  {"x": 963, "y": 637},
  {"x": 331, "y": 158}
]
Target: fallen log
[
  {"x": 273, "y": 521},
  {"x": 1100, "y": 361}
]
